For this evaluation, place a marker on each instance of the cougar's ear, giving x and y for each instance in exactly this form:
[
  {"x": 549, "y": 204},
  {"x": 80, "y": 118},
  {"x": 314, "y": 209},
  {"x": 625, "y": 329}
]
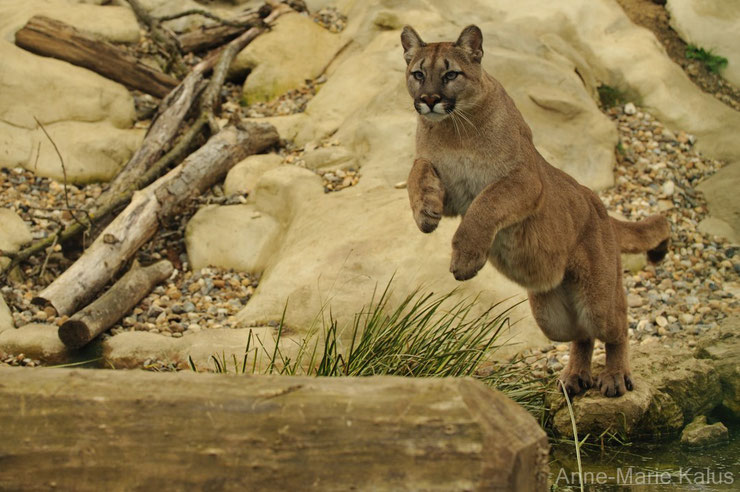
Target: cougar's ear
[
  {"x": 471, "y": 40},
  {"x": 411, "y": 42}
]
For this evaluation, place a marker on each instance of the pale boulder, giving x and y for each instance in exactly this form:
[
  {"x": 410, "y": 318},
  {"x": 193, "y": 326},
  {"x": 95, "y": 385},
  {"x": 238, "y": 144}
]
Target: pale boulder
[
  {"x": 37, "y": 341},
  {"x": 92, "y": 152},
  {"x": 234, "y": 236},
  {"x": 609, "y": 42},
  {"x": 243, "y": 177},
  {"x": 14, "y": 232},
  {"x": 336, "y": 157},
  {"x": 713, "y": 25},
  {"x": 285, "y": 190},
  {"x": 110, "y": 22},
  {"x": 723, "y": 201},
  {"x": 52, "y": 90},
  {"x": 6, "y": 318},
  {"x": 132, "y": 349},
  {"x": 295, "y": 50}
]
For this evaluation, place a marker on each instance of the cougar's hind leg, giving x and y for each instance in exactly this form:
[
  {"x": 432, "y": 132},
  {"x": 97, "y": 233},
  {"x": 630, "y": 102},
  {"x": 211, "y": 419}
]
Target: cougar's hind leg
[
  {"x": 556, "y": 316},
  {"x": 576, "y": 376},
  {"x": 616, "y": 378}
]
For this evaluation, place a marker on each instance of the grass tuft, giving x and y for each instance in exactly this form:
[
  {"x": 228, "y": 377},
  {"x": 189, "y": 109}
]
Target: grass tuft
[
  {"x": 714, "y": 63},
  {"x": 426, "y": 335},
  {"x": 611, "y": 96}
]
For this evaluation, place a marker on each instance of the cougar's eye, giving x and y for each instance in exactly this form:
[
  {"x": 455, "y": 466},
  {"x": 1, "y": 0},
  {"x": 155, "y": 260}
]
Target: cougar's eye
[
  {"x": 450, "y": 75},
  {"x": 418, "y": 75}
]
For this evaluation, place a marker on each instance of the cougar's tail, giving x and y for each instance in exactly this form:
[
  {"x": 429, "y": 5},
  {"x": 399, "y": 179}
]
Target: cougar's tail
[{"x": 649, "y": 235}]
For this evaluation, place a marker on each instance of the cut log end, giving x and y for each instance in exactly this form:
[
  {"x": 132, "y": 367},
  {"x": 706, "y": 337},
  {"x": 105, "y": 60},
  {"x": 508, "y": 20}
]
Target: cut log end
[{"x": 74, "y": 333}]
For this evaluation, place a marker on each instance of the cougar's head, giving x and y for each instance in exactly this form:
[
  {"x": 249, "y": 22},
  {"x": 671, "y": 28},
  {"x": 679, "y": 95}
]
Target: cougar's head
[{"x": 442, "y": 76}]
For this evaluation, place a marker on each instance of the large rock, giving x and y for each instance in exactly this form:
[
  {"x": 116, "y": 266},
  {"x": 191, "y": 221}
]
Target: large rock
[
  {"x": 295, "y": 50},
  {"x": 37, "y": 341},
  {"x": 92, "y": 152},
  {"x": 6, "y": 318},
  {"x": 132, "y": 349},
  {"x": 234, "y": 236},
  {"x": 605, "y": 47},
  {"x": 699, "y": 434},
  {"x": 712, "y": 25},
  {"x": 110, "y": 22},
  {"x": 724, "y": 352},
  {"x": 243, "y": 177},
  {"x": 671, "y": 388},
  {"x": 723, "y": 201},
  {"x": 14, "y": 232},
  {"x": 87, "y": 116}
]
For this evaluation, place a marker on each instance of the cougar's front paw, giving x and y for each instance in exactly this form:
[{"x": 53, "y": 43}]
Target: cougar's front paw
[
  {"x": 428, "y": 214},
  {"x": 466, "y": 264},
  {"x": 614, "y": 383}
]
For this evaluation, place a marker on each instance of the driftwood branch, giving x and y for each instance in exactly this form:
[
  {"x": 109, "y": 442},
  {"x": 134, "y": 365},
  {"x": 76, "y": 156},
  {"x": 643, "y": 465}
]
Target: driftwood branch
[
  {"x": 83, "y": 430},
  {"x": 139, "y": 221},
  {"x": 97, "y": 317},
  {"x": 50, "y": 37},
  {"x": 162, "y": 37},
  {"x": 212, "y": 36}
]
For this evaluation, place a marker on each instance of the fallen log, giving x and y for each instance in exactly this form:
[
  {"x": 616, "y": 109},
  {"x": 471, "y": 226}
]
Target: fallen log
[
  {"x": 50, "y": 37},
  {"x": 140, "y": 219},
  {"x": 97, "y": 317},
  {"x": 84, "y": 430}
]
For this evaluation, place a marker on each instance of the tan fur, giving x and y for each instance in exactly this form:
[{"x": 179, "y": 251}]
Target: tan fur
[{"x": 533, "y": 222}]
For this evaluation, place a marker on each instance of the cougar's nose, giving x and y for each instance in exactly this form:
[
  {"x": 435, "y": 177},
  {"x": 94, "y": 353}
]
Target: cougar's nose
[{"x": 430, "y": 100}]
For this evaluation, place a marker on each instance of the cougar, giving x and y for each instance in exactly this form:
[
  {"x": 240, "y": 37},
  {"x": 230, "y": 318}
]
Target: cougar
[{"x": 535, "y": 224}]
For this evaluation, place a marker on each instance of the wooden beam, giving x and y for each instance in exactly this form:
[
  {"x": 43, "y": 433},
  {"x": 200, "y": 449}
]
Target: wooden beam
[{"x": 133, "y": 430}]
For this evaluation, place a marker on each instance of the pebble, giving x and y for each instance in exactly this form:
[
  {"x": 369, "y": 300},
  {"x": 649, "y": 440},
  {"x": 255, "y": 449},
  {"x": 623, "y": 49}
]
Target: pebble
[{"x": 630, "y": 109}]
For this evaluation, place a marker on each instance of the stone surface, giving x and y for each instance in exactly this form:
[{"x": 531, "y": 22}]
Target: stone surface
[
  {"x": 92, "y": 152},
  {"x": 233, "y": 236},
  {"x": 712, "y": 25},
  {"x": 87, "y": 115},
  {"x": 14, "y": 232},
  {"x": 606, "y": 41},
  {"x": 671, "y": 388},
  {"x": 724, "y": 200},
  {"x": 724, "y": 352},
  {"x": 296, "y": 49},
  {"x": 37, "y": 341},
  {"x": 699, "y": 434},
  {"x": 6, "y": 318},
  {"x": 243, "y": 177},
  {"x": 111, "y": 22},
  {"x": 132, "y": 349},
  {"x": 330, "y": 157}
]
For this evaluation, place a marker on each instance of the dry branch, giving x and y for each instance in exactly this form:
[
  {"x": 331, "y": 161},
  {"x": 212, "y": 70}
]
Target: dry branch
[
  {"x": 89, "y": 429},
  {"x": 139, "y": 221},
  {"x": 50, "y": 37},
  {"x": 212, "y": 36},
  {"x": 97, "y": 317}
]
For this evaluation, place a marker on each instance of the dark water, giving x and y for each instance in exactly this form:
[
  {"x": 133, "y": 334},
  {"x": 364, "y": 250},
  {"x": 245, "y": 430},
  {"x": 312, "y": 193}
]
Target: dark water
[{"x": 650, "y": 467}]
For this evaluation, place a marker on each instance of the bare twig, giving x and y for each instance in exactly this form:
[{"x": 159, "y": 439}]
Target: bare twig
[
  {"x": 48, "y": 254},
  {"x": 64, "y": 173}
]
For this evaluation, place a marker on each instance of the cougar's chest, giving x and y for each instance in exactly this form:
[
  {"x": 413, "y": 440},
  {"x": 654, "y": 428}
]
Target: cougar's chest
[{"x": 463, "y": 177}]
